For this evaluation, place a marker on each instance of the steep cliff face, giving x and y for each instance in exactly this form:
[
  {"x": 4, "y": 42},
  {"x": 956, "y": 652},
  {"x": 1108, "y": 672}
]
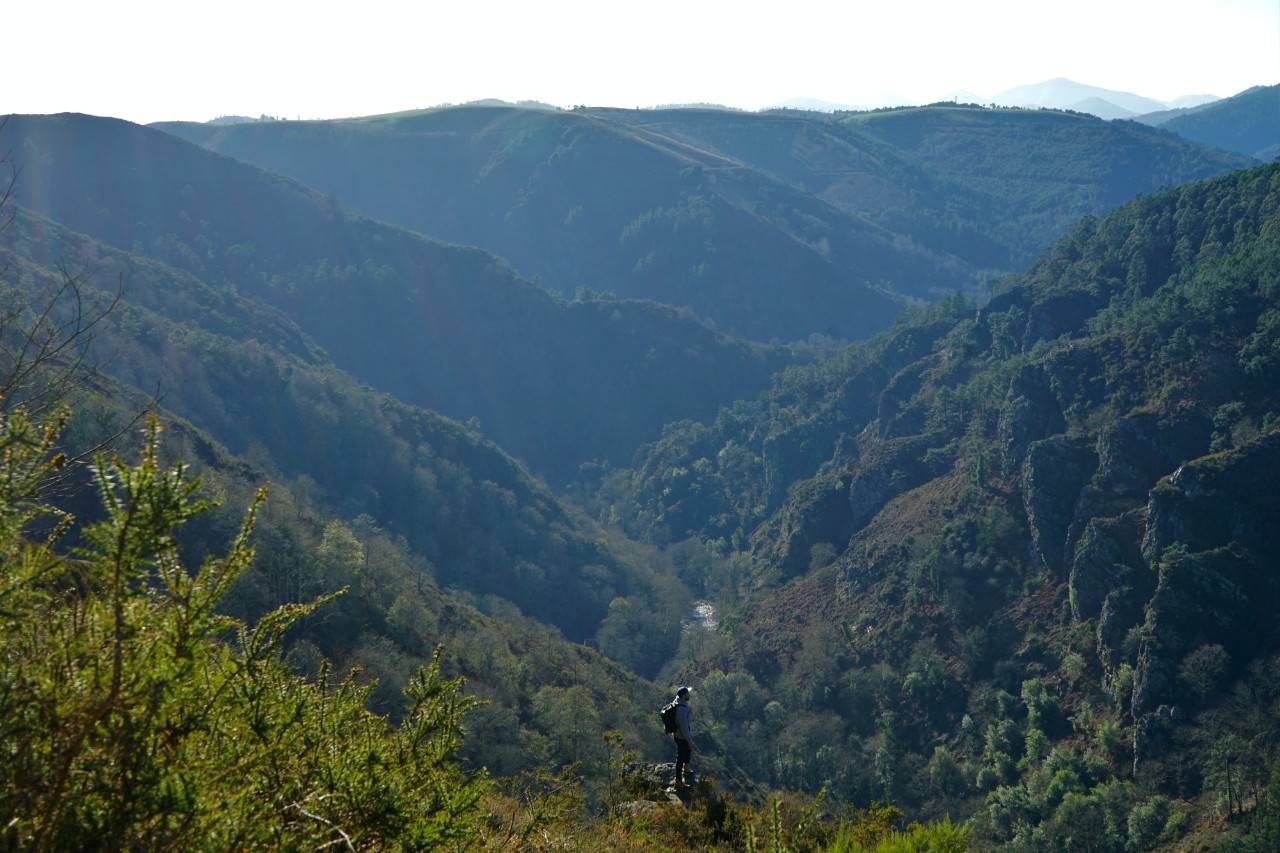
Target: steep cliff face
[
  {"x": 1053, "y": 475},
  {"x": 1211, "y": 531},
  {"x": 1030, "y": 413}
]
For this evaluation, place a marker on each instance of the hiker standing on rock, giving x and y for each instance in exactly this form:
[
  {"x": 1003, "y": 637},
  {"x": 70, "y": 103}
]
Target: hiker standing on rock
[{"x": 683, "y": 735}]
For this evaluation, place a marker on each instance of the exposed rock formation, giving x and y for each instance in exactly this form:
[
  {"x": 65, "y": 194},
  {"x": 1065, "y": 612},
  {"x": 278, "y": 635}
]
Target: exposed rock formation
[
  {"x": 1107, "y": 557},
  {"x": 1053, "y": 474},
  {"x": 1030, "y": 413}
]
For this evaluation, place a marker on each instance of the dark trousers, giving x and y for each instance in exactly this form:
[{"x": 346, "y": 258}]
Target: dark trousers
[{"x": 683, "y": 754}]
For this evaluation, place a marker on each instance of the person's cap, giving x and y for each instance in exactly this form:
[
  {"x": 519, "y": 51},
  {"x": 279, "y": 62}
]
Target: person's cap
[{"x": 684, "y": 689}]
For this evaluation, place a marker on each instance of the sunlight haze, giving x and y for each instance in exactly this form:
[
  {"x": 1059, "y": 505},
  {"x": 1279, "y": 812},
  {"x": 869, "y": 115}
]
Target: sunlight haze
[{"x": 148, "y": 61}]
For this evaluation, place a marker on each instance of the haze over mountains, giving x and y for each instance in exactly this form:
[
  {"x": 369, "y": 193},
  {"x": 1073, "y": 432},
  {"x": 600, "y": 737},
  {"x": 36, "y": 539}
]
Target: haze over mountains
[
  {"x": 769, "y": 225},
  {"x": 468, "y": 337},
  {"x": 1058, "y": 93},
  {"x": 934, "y": 445}
]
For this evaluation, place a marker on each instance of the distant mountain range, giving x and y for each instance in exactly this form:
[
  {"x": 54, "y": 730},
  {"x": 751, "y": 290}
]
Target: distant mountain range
[
  {"x": 817, "y": 105},
  {"x": 1058, "y": 93},
  {"x": 1061, "y": 93}
]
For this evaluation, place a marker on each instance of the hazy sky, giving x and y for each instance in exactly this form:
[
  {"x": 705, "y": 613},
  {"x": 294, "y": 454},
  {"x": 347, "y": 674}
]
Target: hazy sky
[{"x": 180, "y": 59}]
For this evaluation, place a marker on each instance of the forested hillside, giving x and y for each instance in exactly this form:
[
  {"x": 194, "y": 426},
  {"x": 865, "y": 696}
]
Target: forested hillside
[
  {"x": 1041, "y": 170},
  {"x": 1013, "y": 563},
  {"x": 1248, "y": 123},
  {"x": 557, "y": 383},
  {"x": 422, "y": 520},
  {"x": 773, "y": 225}
]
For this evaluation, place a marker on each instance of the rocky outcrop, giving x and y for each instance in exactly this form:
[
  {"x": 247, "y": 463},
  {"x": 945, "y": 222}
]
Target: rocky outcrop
[
  {"x": 651, "y": 786},
  {"x": 1135, "y": 451},
  {"x": 1055, "y": 471},
  {"x": 903, "y": 346},
  {"x": 1077, "y": 375},
  {"x": 1218, "y": 585},
  {"x": 1129, "y": 459},
  {"x": 1108, "y": 556},
  {"x": 1030, "y": 413},
  {"x": 1121, "y": 611},
  {"x": 1215, "y": 596},
  {"x": 795, "y": 452},
  {"x": 1227, "y": 497},
  {"x": 894, "y": 412},
  {"x": 1059, "y": 314},
  {"x": 1152, "y": 736}
]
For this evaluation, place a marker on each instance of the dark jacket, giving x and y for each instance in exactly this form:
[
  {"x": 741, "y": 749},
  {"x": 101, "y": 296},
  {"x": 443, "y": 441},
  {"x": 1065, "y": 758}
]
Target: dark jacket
[{"x": 684, "y": 720}]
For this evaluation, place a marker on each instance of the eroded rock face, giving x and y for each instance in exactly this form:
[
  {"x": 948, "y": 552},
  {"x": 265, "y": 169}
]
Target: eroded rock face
[
  {"x": 1108, "y": 556},
  {"x": 1122, "y": 610},
  {"x": 1227, "y": 497},
  {"x": 796, "y": 452},
  {"x": 1219, "y": 584},
  {"x": 1151, "y": 735},
  {"x": 1135, "y": 451},
  {"x": 1030, "y": 413},
  {"x": 1129, "y": 460},
  {"x": 1060, "y": 314},
  {"x": 1076, "y": 375},
  {"x": 1055, "y": 471},
  {"x": 893, "y": 411},
  {"x": 1207, "y": 597}
]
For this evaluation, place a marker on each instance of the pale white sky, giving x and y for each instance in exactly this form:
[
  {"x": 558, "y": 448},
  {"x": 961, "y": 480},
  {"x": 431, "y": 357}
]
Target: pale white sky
[{"x": 177, "y": 59}]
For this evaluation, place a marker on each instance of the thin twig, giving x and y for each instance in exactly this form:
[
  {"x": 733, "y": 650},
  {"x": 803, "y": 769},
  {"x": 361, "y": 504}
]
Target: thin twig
[{"x": 345, "y": 838}]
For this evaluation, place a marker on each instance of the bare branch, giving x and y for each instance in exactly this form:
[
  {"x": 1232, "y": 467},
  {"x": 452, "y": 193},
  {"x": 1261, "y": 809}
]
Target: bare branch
[{"x": 346, "y": 839}]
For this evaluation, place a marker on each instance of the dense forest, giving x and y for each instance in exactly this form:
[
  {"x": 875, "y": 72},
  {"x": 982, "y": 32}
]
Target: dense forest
[{"x": 933, "y": 446}]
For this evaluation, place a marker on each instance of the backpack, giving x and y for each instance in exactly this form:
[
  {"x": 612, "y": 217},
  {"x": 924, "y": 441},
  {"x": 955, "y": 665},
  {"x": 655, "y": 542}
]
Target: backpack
[{"x": 669, "y": 721}]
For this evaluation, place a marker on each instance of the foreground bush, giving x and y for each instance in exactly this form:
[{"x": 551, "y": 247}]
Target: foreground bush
[{"x": 134, "y": 715}]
